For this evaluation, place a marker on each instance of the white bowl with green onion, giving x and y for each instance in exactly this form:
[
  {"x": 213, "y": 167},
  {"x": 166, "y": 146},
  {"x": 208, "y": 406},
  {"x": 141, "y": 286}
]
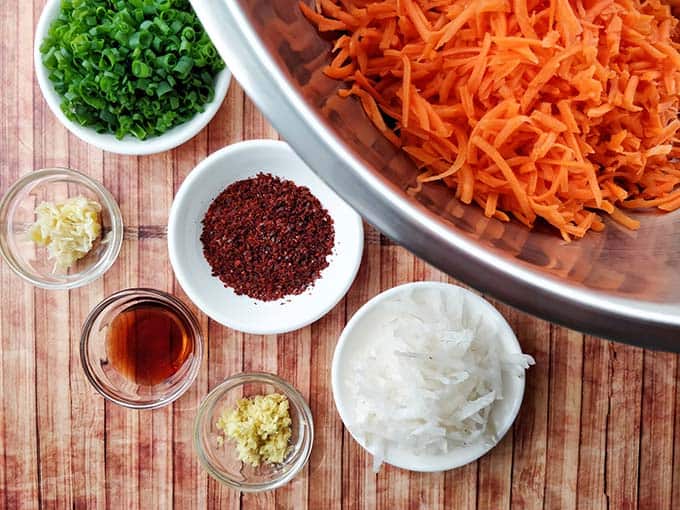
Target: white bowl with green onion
[{"x": 166, "y": 138}]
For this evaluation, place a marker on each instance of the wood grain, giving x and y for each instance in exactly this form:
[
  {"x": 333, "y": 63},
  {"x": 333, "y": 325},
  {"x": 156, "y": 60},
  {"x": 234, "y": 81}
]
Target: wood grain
[
  {"x": 88, "y": 455},
  {"x": 597, "y": 428},
  {"x": 590, "y": 483},
  {"x": 657, "y": 434},
  {"x": 564, "y": 418},
  {"x": 20, "y": 449},
  {"x": 623, "y": 449}
]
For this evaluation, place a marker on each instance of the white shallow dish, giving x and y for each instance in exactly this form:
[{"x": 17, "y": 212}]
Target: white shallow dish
[
  {"x": 129, "y": 145},
  {"x": 365, "y": 325},
  {"x": 234, "y": 163}
]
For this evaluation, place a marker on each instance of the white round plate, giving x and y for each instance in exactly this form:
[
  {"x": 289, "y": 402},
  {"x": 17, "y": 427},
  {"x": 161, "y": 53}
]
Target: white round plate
[
  {"x": 234, "y": 163},
  {"x": 129, "y": 145},
  {"x": 366, "y": 324}
]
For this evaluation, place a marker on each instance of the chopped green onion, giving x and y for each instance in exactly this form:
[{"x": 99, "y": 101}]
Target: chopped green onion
[
  {"x": 189, "y": 34},
  {"x": 183, "y": 66},
  {"x": 130, "y": 67},
  {"x": 166, "y": 62},
  {"x": 141, "y": 39},
  {"x": 140, "y": 69},
  {"x": 163, "y": 88}
]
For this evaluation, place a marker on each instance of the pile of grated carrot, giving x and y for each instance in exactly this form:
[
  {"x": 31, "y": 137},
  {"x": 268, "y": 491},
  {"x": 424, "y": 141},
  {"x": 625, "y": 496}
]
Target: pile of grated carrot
[{"x": 556, "y": 109}]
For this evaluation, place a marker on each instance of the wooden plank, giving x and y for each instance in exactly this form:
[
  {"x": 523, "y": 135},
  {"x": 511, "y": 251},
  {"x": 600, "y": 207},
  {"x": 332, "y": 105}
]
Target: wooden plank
[
  {"x": 325, "y": 463},
  {"x": 564, "y": 416},
  {"x": 155, "y": 427},
  {"x": 358, "y": 479},
  {"x": 227, "y": 126},
  {"x": 461, "y": 487},
  {"x": 494, "y": 472},
  {"x": 122, "y": 458},
  {"x": 656, "y": 448},
  {"x": 530, "y": 430},
  {"x": 675, "y": 496},
  {"x": 594, "y": 412},
  {"x": 189, "y": 479},
  {"x": 623, "y": 425},
  {"x": 294, "y": 353},
  {"x": 19, "y": 448},
  {"x": 53, "y": 350},
  {"x": 53, "y": 396},
  {"x": 5, "y": 276},
  {"x": 88, "y": 471},
  {"x": 426, "y": 491},
  {"x": 255, "y": 126},
  {"x": 19, "y": 420},
  {"x": 225, "y": 355},
  {"x": 122, "y": 426}
]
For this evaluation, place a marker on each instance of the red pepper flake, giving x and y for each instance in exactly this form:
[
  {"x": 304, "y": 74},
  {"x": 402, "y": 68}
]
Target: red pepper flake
[{"x": 267, "y": 238}]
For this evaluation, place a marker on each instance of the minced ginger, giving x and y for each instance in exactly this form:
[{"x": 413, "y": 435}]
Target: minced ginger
[
  {"x": 68, "y": 229},
  {"x": 261, "y": 428}
]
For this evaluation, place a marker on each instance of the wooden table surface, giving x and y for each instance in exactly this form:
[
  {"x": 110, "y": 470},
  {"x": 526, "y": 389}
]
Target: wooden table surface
[{"x": 596, "y": 430}]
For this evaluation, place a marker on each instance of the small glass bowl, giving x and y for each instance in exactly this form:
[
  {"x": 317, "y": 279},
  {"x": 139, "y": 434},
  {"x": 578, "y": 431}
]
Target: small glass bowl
[
  {"x": 221, "y": 460},
  {"x": 17, "y": 214},
  {"x": 112, "y": 384}
]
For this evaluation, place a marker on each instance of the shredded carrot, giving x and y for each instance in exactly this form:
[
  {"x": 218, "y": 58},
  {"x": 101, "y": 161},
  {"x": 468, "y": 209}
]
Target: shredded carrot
[
  {"x": 618, "y": 216},
  {"x": 562, "y": 110}
]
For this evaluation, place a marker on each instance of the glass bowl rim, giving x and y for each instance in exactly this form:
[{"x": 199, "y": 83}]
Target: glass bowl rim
[
  {"x": 109, "y": 203},
  {"x": 291, "y": 393},
  {"x": 151, "y": 295}
]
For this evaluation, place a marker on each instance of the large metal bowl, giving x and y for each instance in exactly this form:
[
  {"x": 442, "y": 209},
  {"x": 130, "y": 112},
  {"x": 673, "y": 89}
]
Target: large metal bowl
[{"x": 618, "y": 284}]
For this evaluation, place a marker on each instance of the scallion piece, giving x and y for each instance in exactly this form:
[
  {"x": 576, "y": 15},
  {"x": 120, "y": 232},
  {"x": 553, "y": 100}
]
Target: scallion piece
[{"x": 140, "y": 69}]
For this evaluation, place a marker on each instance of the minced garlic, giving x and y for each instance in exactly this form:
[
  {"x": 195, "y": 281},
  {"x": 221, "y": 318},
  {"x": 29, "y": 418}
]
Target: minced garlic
[
  {"x": 261, "y": 428},
  {"x": 68, "y": 229}
]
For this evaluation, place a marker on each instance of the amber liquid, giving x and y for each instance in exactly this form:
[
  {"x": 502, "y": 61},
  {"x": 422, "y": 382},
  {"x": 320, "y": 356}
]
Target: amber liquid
[{"x": 148, "y": 343}]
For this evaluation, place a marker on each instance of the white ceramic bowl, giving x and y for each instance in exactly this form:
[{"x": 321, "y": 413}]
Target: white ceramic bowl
[
  {"x": 128, "y": 145},
  {"x": 234, "y": 163},
  {"x": 366, "y": 324}
]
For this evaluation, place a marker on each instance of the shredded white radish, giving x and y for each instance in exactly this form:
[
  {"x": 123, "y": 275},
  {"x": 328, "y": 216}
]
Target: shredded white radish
[{"x": 429, "y": 382}]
